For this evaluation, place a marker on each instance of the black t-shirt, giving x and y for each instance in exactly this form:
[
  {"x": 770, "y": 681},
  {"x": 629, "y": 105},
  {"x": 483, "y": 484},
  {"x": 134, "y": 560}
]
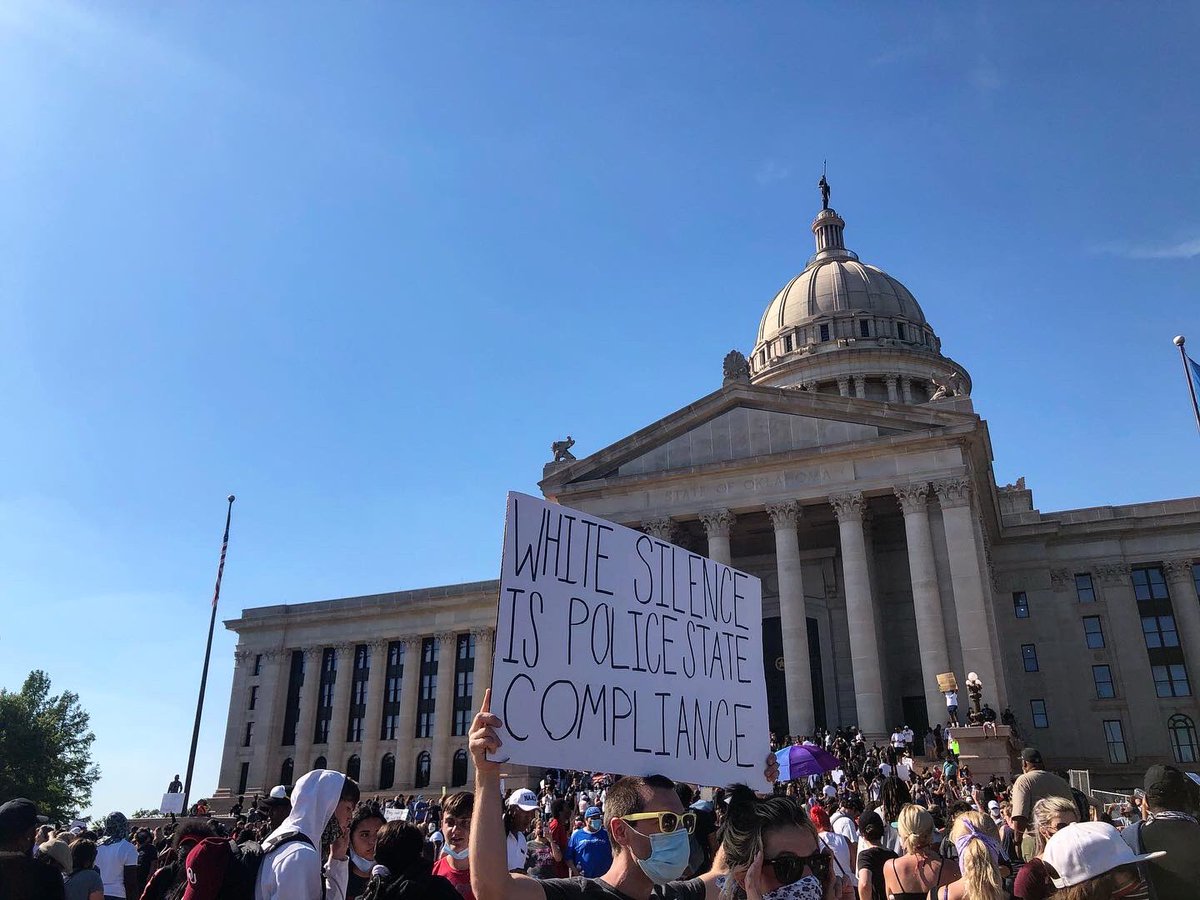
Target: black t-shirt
[
  {"x": 1175, "y": 875},
  {"x": 595, "y": 889},
  {"x": 873, "y": 859},
  {"x": 24, "y": 878}
]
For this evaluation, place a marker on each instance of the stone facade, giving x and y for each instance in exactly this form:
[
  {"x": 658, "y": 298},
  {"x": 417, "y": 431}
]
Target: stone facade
[{"x": 887, "y": 552}]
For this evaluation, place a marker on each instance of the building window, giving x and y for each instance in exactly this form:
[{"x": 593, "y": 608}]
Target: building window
[
  {"x": 864, "y": 328},
  {"x": 421, "y": 778},
  {"x": 1020, "y": 605},
  {"x": 320, "y": 763},
  {"x": 1183, "y": 738},
  {"x": 287, "y": 772},
  {"x": 787, "y": 344},
  {"x": 464, "y": 684},
  {"x": 1114, "y": 737},
  {"x": 1093, "y": 632},
  {"x": 824, "y": 332},
  {"x": 249, "y": 734},
  {"x": 358, "y": 693},
  {"x": 243, "y": 778},
  {"x": 253, "y": 697},
  {"x": 391, "y": 691},
  {"x": 354, "y": 767},
  {"x": 1102, "y": 676},
  {"x": 291, "y": 710},
  {"x": 1149, "y": 584},
  {"x": 325, "y": 695},
  {"x": 1171, "y": 680},
  {"x": 1159, "y": 631},
  {"x": 1029, "y": 657},
  {"x": 1085, "y": 591},
  {"x": 428, "y": 694},
  {"x": 900, "y": 331},
  {"x": 458, "y": 774},
  {"x": 257, "y": 664},
  {"x": 1037, "y": 709},
  {"x": 387, "y": 771},
  {"x": 1196, "y": 579}
]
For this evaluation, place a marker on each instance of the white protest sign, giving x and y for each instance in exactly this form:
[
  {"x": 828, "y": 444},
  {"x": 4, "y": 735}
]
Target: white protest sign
[
  {"x": 171, "y": 803},
  {"x": 619, "y": 652},
  {"x": 395, "y": 815}
]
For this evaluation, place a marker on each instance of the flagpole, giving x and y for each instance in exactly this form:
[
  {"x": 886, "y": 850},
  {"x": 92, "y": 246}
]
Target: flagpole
[
  {"x": 1179, "y": 341},
  {"x": 212, "y": 621}
]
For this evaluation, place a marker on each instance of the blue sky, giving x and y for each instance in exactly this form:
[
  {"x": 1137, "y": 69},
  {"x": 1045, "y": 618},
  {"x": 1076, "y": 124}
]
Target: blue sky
[{"x": 361, "y": 263}]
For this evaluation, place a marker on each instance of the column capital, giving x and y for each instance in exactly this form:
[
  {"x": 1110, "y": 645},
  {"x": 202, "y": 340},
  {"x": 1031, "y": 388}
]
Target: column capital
[
  {"x": 1178, "y": 571},
  {"x": 483, "y": 633},
  {"x": 662, "y": 528},
  {"x": 890, "y": 380},
  {"x": 786, "y": 514},
  {"x": 1061, "y": 578},
  {"x": 310, "y": 652},
  {"x": 241, "y": 657},
  {"x": 446, "y": 636},
  {"x": 411, "y": 641},
  {"x": 1113, "y": 573},
  {"x": 848, "y": 507},
  {"x": 718, "y": 522},
  {"x": 913, "y": 498},
  {"x": 953, "y": 492},
  {"x": 377, "y": 644}
]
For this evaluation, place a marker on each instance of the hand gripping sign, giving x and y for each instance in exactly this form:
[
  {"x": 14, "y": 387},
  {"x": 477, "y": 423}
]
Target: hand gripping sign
[{"x": 620, "y": 652}]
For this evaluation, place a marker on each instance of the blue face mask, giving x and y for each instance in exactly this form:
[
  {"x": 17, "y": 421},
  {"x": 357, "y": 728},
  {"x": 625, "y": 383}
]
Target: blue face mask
[
  {"x": 593, "y": 825},
  {"x": 668, "y": 856}
]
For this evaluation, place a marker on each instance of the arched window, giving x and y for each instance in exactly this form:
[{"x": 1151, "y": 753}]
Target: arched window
[
  {"x": 422, "y": 777},
  {"x": 387, "y": 771},
  {"x": 1183, "y": 738},
  {"x": 286, "y": 771},
  {"x": 458, "y": 775},
  {"x": 320, "y": 763},
  {"x": 354, "y": 767}
]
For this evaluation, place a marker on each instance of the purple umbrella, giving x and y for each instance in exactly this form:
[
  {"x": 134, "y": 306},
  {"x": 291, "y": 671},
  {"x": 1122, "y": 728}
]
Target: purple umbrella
[{"x": 802, "y": 760}]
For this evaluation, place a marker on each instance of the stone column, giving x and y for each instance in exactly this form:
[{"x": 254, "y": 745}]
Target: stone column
[
  {"x": 373, "y": 717},
  {"x": 954, "y": 495},
  {"x": 906, "y": 389},
  {"x": 718, "y": 523},
  {"x": 406, "y": 729},
  {"x": 860, "y": 614},
  {"x": 844, "y": 386},
  {"x": 339, "y": 717},
  {"x": 891, "y": 381},
  {"x": 927, "y": 599},
  {"x": 663, "y": 529},
  {"x": 443, "y": 709},
  {"x": 484, "y": 638},
  {"x": 306, "y": 722},
  {"x": 860, "y": 386},
  {"x": 793, "y": 619},
  {"x": 235, "y": 726},
  {"x": 1187, "y": 612}
]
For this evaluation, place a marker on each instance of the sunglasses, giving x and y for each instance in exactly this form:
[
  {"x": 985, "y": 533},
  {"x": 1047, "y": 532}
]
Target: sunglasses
[
  {"x": 667, "y": 821},
  {"x": 790, "y": 868}
]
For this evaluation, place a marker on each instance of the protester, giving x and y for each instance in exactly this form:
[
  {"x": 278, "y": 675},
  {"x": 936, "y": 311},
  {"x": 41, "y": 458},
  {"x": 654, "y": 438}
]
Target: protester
[
  {"x": 455, "y": 865},
  {"x": 1050, "y": 815},
  {"x": 977, "y": 841},
  {"x": 589, "y": 852},
  {"x": 117, "y": 859},
  {"x": 291, "y": 869},
  {"x": 21, "y": 876},
  {"x": 364, "y": 825},
  {"x": 558, "y": 835},
  {"x": 872, "y": 858},
  {"x": 541, "y": 861},
  {"x": 175, "y": 787},
  {"x": 1031, "y": 787},
  {"x": 1171, "y": 826},
  {"x": 839, "y": 847},
  {"x": 1091, "y": 862},
  {"x": 275, "y": 807},
  {"x": 401, "y": 872},
  {"x": 84, "y": 882},
  {"x": 921, "y": 869},
  {"x": 518, "y": 813},
  {"x": 172, "y": 861}
]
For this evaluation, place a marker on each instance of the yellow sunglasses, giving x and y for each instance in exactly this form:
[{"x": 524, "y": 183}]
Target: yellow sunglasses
[{"x": 667, "y": 821}]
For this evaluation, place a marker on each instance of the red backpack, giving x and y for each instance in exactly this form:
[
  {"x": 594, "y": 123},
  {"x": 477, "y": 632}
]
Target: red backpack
[{"x": 219, "y": 869}]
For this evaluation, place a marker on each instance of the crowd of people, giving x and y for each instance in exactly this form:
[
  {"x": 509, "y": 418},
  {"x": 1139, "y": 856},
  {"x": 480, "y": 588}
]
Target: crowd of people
[{"x": 902, "y": 820}]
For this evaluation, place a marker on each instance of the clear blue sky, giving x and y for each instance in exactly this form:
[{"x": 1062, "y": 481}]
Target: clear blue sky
[{"x": 360, "y": 263}]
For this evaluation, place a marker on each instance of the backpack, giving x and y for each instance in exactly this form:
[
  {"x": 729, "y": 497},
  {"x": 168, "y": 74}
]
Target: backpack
[{"x": 219, "y": 869}]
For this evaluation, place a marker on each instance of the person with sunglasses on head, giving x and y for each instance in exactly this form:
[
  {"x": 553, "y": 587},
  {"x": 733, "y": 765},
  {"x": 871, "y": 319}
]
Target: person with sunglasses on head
[
  {"x": 1050, "y": 815},
  {"x": 645, "y": 819}
]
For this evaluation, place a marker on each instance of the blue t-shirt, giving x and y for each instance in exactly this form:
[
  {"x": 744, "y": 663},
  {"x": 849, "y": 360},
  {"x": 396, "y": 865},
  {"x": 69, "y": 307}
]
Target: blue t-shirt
[{"x": 591, "y": 853}]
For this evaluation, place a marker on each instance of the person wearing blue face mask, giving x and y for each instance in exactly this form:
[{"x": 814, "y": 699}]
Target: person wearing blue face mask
[{"x": 589, "y": 851}]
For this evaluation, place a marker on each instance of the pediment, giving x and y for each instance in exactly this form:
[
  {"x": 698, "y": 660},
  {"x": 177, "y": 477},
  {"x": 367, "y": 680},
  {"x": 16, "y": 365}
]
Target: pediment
[{"x": 743, "y": 422}]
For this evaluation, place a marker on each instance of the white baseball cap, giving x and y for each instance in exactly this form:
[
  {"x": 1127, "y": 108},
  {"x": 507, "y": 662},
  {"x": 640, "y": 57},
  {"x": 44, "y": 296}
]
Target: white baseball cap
[
  {"x": 1088, "y": 850},
  {"x": 524, "y": 798},
  {"x": 279, "y": 792},
  {"x": 993, "y": 806}
]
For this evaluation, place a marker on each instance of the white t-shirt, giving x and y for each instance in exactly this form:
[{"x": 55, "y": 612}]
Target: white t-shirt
[
  {"x": 844, "y": 825},
  {"x": 518, "y": 849},
  {"x": 885, "y": 770},
  {"x": 840, "y": 848},
  {"x": 903, "y": 770},
  {"x": 951, "y": 699},
  {"x": 111, "y": 860}
]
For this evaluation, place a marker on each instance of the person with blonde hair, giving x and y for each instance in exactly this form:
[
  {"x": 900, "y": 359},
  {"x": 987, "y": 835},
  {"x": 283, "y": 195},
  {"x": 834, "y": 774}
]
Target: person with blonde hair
[
  {"x": 921, "y": 870},
  {"x": 1049, "y": 815},
  {"x": 977, "y": 840}
]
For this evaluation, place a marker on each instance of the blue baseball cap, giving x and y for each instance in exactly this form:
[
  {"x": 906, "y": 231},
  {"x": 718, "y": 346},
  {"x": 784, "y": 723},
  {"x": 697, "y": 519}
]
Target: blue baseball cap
[{"x": 593, "y": 812}]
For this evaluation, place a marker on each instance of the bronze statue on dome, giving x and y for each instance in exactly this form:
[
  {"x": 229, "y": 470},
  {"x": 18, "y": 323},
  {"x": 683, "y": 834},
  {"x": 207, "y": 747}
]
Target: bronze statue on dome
[{"x": 824, "y": 186}]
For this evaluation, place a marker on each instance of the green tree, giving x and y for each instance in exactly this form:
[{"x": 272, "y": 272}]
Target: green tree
[{"x": 46, "y": 748}]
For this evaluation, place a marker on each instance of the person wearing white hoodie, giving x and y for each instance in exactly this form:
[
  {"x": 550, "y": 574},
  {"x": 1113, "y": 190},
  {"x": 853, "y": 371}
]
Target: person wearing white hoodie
[{"x": 292, "y": 870}]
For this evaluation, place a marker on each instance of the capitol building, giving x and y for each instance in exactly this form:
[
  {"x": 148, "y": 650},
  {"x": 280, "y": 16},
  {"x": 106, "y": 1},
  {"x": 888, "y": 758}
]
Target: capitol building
[{"x": 842, "y": 462}]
